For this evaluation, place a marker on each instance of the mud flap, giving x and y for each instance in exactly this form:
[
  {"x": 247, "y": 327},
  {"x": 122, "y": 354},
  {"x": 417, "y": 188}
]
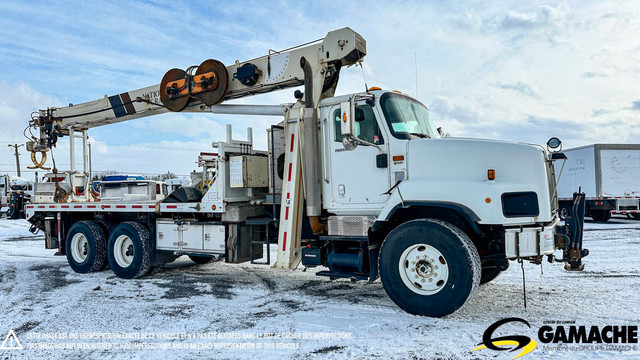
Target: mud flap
[{"x": 374, "y": 251}]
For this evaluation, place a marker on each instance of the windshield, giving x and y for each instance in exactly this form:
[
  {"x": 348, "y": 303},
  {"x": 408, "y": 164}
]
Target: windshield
[{"x": 407, "y": 118}]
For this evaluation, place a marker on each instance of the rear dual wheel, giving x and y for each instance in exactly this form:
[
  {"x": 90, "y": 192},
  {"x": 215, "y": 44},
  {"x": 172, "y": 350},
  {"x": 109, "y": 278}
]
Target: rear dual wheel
[
  {"x": 129, "y": 251},
  {"x": 85, "y": 247}
]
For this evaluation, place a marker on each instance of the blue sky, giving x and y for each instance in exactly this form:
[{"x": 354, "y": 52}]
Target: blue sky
[{"x": 511, "y": 70}]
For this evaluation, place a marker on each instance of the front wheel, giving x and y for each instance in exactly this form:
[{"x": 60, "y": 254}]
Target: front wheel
[
  {"x": 429, "y": 267},
  {"x": 128, "y": 250}
]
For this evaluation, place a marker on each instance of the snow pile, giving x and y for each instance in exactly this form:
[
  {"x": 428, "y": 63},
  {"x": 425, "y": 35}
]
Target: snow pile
[{"x": 220, "y": 310}]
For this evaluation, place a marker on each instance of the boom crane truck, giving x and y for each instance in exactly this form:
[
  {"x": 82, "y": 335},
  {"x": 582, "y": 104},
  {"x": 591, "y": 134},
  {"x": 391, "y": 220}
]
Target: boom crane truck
[{"x": 361, "y": 184}]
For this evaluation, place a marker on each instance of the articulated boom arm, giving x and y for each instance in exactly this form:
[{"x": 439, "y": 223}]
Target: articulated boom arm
[{"x": 201, "y": 88}]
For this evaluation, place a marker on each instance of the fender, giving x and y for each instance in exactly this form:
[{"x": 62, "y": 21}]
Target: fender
[
  {"x": 467, "y": 214},
  {"x": 404, "y": 195}
]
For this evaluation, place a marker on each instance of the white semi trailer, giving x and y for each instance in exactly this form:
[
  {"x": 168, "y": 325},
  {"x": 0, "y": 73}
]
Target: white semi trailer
[
  {"x": 362, "y": 184},
  {"x": 4, "y": 189},
  {"x": 609, "y": 175}
]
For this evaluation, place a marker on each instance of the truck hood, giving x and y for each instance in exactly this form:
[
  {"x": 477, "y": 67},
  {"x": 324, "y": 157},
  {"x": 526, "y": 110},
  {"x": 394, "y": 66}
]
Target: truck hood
[
  {"x": 455, "y": 169},
  {"x": 461, "y": 158}
]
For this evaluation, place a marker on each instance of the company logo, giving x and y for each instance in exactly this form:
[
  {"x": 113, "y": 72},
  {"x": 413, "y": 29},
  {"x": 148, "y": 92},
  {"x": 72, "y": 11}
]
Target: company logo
[
  {"x": 509, "y": 343},
  {"x": 11, "y": 342},
  {"x": 556, "y": 335}
]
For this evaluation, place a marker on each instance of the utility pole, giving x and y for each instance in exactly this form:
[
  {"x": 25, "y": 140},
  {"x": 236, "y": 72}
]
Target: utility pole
[{"x": 15, "y": 149}]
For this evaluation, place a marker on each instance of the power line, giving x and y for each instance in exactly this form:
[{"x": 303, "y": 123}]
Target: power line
[
  {"x": 102, "y": 171},
  {"x": 153, "y": 147}
]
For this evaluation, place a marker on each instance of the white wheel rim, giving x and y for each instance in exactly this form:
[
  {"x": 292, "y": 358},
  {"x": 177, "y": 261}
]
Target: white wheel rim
[
  {"x": 123, "y": 251},
  {"x": 79, "y": 248},
  {"x": 423, "y": 269}
]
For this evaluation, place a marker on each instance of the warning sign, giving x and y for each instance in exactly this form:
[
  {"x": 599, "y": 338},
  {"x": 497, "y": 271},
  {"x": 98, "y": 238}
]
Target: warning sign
[{"x": 11, "y": 342}]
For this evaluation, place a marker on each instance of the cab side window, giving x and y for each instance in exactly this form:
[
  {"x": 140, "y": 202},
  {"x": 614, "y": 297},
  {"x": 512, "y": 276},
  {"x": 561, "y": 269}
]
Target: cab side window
[{"x": 366, "y": 126}]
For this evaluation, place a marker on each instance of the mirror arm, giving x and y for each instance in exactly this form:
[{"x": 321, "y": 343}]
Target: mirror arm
[{"x": 364, "y": 142}]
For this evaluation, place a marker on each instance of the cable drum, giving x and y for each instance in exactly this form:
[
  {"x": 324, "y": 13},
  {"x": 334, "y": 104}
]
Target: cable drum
[{"x": 209, "y": 84}]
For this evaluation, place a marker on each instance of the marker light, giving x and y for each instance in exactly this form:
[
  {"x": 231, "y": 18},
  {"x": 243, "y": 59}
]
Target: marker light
[{"x": 491, "y": 174}]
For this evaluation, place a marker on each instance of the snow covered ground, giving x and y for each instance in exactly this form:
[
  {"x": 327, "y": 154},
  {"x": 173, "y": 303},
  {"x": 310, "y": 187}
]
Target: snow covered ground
[{"x": 238, "y": 311}]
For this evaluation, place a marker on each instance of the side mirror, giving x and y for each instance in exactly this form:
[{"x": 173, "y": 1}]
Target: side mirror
[
  {"x": 346, "y": 118},
  {"x": 347, "y": 125}
]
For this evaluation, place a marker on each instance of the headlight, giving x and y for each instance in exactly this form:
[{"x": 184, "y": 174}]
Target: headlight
[{"x": 554, "y": 144}]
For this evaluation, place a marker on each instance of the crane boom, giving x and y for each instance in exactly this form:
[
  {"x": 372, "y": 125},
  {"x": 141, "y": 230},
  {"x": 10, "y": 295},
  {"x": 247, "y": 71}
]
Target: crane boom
[
  {"x": 203, "y": 88},
  {"x": 187, "y": 90}
]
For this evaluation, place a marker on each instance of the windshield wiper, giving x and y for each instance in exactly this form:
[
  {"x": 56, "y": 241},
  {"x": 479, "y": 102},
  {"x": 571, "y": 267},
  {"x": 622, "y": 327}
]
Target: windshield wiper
[{"x": 421, "y": 135}]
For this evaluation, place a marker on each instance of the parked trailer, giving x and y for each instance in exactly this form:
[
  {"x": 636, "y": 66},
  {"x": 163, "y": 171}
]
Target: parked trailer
[
  {"x": 21, "y": 192},
  {"x": 4, "y": 190},
  {"x": 609, "y": 175}
]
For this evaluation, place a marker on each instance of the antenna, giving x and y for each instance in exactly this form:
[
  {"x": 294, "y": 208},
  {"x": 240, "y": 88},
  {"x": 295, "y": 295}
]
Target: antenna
[
  {"x": 415, "y": 58},
  {"x": 366, "y": 87}
]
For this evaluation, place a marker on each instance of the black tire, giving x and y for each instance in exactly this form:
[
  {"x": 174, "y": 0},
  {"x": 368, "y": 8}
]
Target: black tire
[
  {"x": 86, "y": 247},
  {"x": 459, "y": 258},
  {"x": 11, "y": 213},
  {"x": 107, "y": 227},
  {"x": 198, "y": 259},
  {"x": 489, "y": 274},
  {"x": 601, "y": 215},
  {"x": 155, "y": 269},
  {"x": 635, "y": 216},
  {"x": 137, "y": 253}
]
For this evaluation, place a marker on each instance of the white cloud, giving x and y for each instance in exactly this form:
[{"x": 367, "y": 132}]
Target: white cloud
[
  {"x": 545, "y": 15},
  {"x": 520, "y": 87},
  {"x": 17, "y": 101},
  {"x": 508, "y": 70}
]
